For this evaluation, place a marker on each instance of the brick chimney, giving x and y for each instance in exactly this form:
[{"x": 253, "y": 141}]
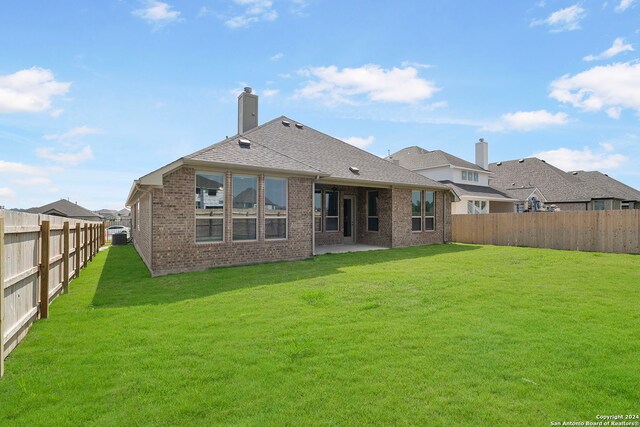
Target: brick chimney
[
  {"x": 482, "y": 154},
  {"x": 247, "y": 111}
]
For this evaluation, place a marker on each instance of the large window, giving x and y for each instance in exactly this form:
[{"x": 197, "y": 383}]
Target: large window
[
  {"x": 477, "y": 207},
  {"x": 209, "y": 207},
  {"x": 331, "y": 211},
  {"x": 372, "y": 211},
  {"x": 245, "y": 203},
  {"x": 317, "y": 209},
  {"x": 275, "y": 208},
  {"x": 429, "y": 210},
  {"x": 598, "y": 205},
  {"x": 416, "y": 211}
]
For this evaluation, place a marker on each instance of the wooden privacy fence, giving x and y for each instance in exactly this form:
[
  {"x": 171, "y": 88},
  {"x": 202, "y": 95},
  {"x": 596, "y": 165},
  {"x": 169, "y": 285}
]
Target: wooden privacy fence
[
  {"x": 595, "y": 231},
  {"x": 39, "y": 255}
]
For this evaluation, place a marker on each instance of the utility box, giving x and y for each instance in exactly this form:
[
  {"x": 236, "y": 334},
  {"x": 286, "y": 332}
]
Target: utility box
[{"x": 119, "y": 239}]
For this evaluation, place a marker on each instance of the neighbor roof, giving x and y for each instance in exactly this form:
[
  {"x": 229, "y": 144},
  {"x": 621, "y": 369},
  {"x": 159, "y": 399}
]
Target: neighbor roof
[
  {"x": 284, "y": 144},
  {"x": 478, "y": 191},
  {"x": 521, "y": 193},
  {"x": 417, "y": 158},
  {"x": 608, "y": 187},
  {"x": 556, "y": 185},
  {"x": 65, "y": 208}
]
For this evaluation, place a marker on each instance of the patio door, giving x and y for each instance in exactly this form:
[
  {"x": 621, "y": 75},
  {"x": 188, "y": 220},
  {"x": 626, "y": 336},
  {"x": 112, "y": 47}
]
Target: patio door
[{"x": 349, "y": 221}]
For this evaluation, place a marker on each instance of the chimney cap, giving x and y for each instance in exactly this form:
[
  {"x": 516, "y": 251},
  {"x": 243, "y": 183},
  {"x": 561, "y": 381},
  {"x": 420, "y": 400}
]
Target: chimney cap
[
  {"x": 247, "y": 89},
  {"x": 481, "y": 140}
]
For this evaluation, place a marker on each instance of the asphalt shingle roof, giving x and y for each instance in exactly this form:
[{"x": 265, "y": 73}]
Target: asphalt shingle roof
[
  {"x": 65, "y": 207},
  {"x": 303, "y": 149},
  {"x": 607, "y": 187},
  {"x": 417, "y": 158},
  {"x": 477, "y": 190}
]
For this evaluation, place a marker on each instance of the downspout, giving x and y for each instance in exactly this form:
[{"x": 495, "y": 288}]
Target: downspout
[{"x": 313, "y": 217}]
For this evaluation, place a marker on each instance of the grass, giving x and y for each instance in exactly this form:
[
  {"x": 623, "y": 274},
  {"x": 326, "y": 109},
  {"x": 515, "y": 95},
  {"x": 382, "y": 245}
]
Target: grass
[{"x": 437, "y": 335}]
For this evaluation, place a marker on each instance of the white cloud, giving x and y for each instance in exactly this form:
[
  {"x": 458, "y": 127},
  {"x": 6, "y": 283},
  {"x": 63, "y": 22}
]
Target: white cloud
[
  {"x": 526, "y": 121},
  {"x": 157, "y": 13},
  {"x": 607, "y": 146},
  {"x": 29, "y": 90},
  {"x": 402, "y": 85},
  {"x": 298, "y": 7},
  {"x": 610, "y": 87},
  {"x": 567, "y": 19},
  {"x": 618, "y": 46},
  {"x": 270, "y": 92},
  {"x": 624, "y": 5},
  {"x": 358, "y": 141},
  {"x": 254, "y": 11},
  {"x": 73, "y": 133},
  {"x": 6, "y": 193},
  {"x": 20, "y": 168},
  {"x": 36, "y": 181},
  {"x": 67, "y": 159},
  {"x": 278, "y": 56},
  {"x": 585, "y": 159},
  {"x": 405, "y": 64}
]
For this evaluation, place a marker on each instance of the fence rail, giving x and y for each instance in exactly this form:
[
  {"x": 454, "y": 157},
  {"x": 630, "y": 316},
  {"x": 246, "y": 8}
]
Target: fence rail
[
  {"x": 594, "y": 231},
  {"x": 39, "y": 255}
]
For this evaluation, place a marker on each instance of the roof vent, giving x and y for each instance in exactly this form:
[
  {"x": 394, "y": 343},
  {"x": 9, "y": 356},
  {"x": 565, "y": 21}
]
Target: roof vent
[
  {"x": 499, "y": 164},
  {"x": 543, "y": 161},
  {"x": 513, "y": 184},
  {"x": 574, "y": 173},
  {"x": 606, "y": 174},
  {"x": 299, "y": 126},
  {"x": 244, "y": 143},
  {"x": 286, "y": 123},
  {"x": 355, "y": 170},
  {"x": 521, "y": 161}
]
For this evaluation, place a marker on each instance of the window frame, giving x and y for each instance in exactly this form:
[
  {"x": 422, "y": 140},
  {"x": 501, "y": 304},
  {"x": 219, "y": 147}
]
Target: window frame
[
  {"x": 202, "y": 217},
  {"x": 325, "y": 211},
  {"x": 377, "y": 215},
  {"x": 476, "y": 177},
  {"x": 257, "y": 207},
  {"x": 276, "y": 216},
  {"x": 422, "y": 211},
  {"x": 433, "y": 216},
  {"x": 464, "y": 175},
  {"x": 315, "y": 212}
]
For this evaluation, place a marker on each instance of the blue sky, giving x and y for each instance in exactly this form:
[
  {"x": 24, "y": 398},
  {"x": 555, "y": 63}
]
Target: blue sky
[{"x": 94, "y": 94}]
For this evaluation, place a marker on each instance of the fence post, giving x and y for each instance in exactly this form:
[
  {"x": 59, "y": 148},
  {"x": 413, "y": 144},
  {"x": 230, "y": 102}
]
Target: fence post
[
  {"x": 65, "y": 258},
  {"x": 1, "y": 297},
  {"x": 44, "y": 269},
  {"x": 91, "y": 241},
  {"x": 77, "y": 258},
  {"x": 85, "y": 245},
  {"x": 103, "y": 226}
]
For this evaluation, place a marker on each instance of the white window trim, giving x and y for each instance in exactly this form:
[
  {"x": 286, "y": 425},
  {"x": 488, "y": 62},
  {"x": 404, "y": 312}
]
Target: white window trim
[
  {"x": 376, "y": 216},
  {"x": 224, "y": 222},
  {"x": 325, "y": 216},
  {"x": 429, "y": 216},
  {"x": 286, "y": 215},
  {"x": 234, "y": 217},
  {"x": 422, "y": 210}
]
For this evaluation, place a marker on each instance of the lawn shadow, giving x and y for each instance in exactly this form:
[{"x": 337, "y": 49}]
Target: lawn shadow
[{"x": 125, "y": 280}]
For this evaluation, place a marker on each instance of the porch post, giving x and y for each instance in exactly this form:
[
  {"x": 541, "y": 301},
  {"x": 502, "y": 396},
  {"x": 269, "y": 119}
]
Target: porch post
[{"x": 313, "y": 218}]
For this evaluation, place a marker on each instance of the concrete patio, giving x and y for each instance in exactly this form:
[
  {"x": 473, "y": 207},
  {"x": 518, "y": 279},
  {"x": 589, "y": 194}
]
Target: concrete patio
[{"x": 338, "y": 249}]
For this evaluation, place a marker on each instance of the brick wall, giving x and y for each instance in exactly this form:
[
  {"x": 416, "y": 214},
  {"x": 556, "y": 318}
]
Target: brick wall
[
  {"x": 402, "y": 234},
  {"x": 174, "y": 247},
  {"x": 142, "y": 237}
]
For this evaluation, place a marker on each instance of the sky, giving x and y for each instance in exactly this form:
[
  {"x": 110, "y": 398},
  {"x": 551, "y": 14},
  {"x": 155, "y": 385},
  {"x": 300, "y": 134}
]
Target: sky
[{"x": 95, "y": 94}]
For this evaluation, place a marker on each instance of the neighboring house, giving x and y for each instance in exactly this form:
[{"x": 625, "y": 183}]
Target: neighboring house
[
  {"x": 108, "y": 214},
  {"x": 469, "y": 181},
  {"x": 568, "y": 191},
  {"x": 65, "y": 208},
  {"x": 273, "y": 192}
]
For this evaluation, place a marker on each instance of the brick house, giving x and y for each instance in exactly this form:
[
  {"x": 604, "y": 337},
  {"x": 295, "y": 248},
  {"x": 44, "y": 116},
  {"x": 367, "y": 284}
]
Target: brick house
[{"x": 275, "y": 192}]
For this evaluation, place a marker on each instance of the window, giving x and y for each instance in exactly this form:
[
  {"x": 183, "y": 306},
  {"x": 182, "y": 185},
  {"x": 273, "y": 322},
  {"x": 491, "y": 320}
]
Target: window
[
  {"x": 464, "y": 175},
  {"x": 475, "y": 176},
  {"x": 317, "y": 210},
  {"x": 275, "y": 208},
  {"x": 245, "y": 202},
  {"x": 429, "y": 211},
  {"x": 598, "y": 205},
  {"x": 416, "y": 211},
  {"x": 331, "y": 211},
  {"x": 372, "y": 211},
  {"x": 624, "y": 205},
  {"x": 477, "y": 207},
  {"x": 209, "y": 207},
  {"x": 137, "y": 215}
]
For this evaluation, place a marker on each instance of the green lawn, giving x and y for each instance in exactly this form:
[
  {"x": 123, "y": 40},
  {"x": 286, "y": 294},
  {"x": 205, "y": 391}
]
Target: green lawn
[{"x": 435, "y": 335}]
